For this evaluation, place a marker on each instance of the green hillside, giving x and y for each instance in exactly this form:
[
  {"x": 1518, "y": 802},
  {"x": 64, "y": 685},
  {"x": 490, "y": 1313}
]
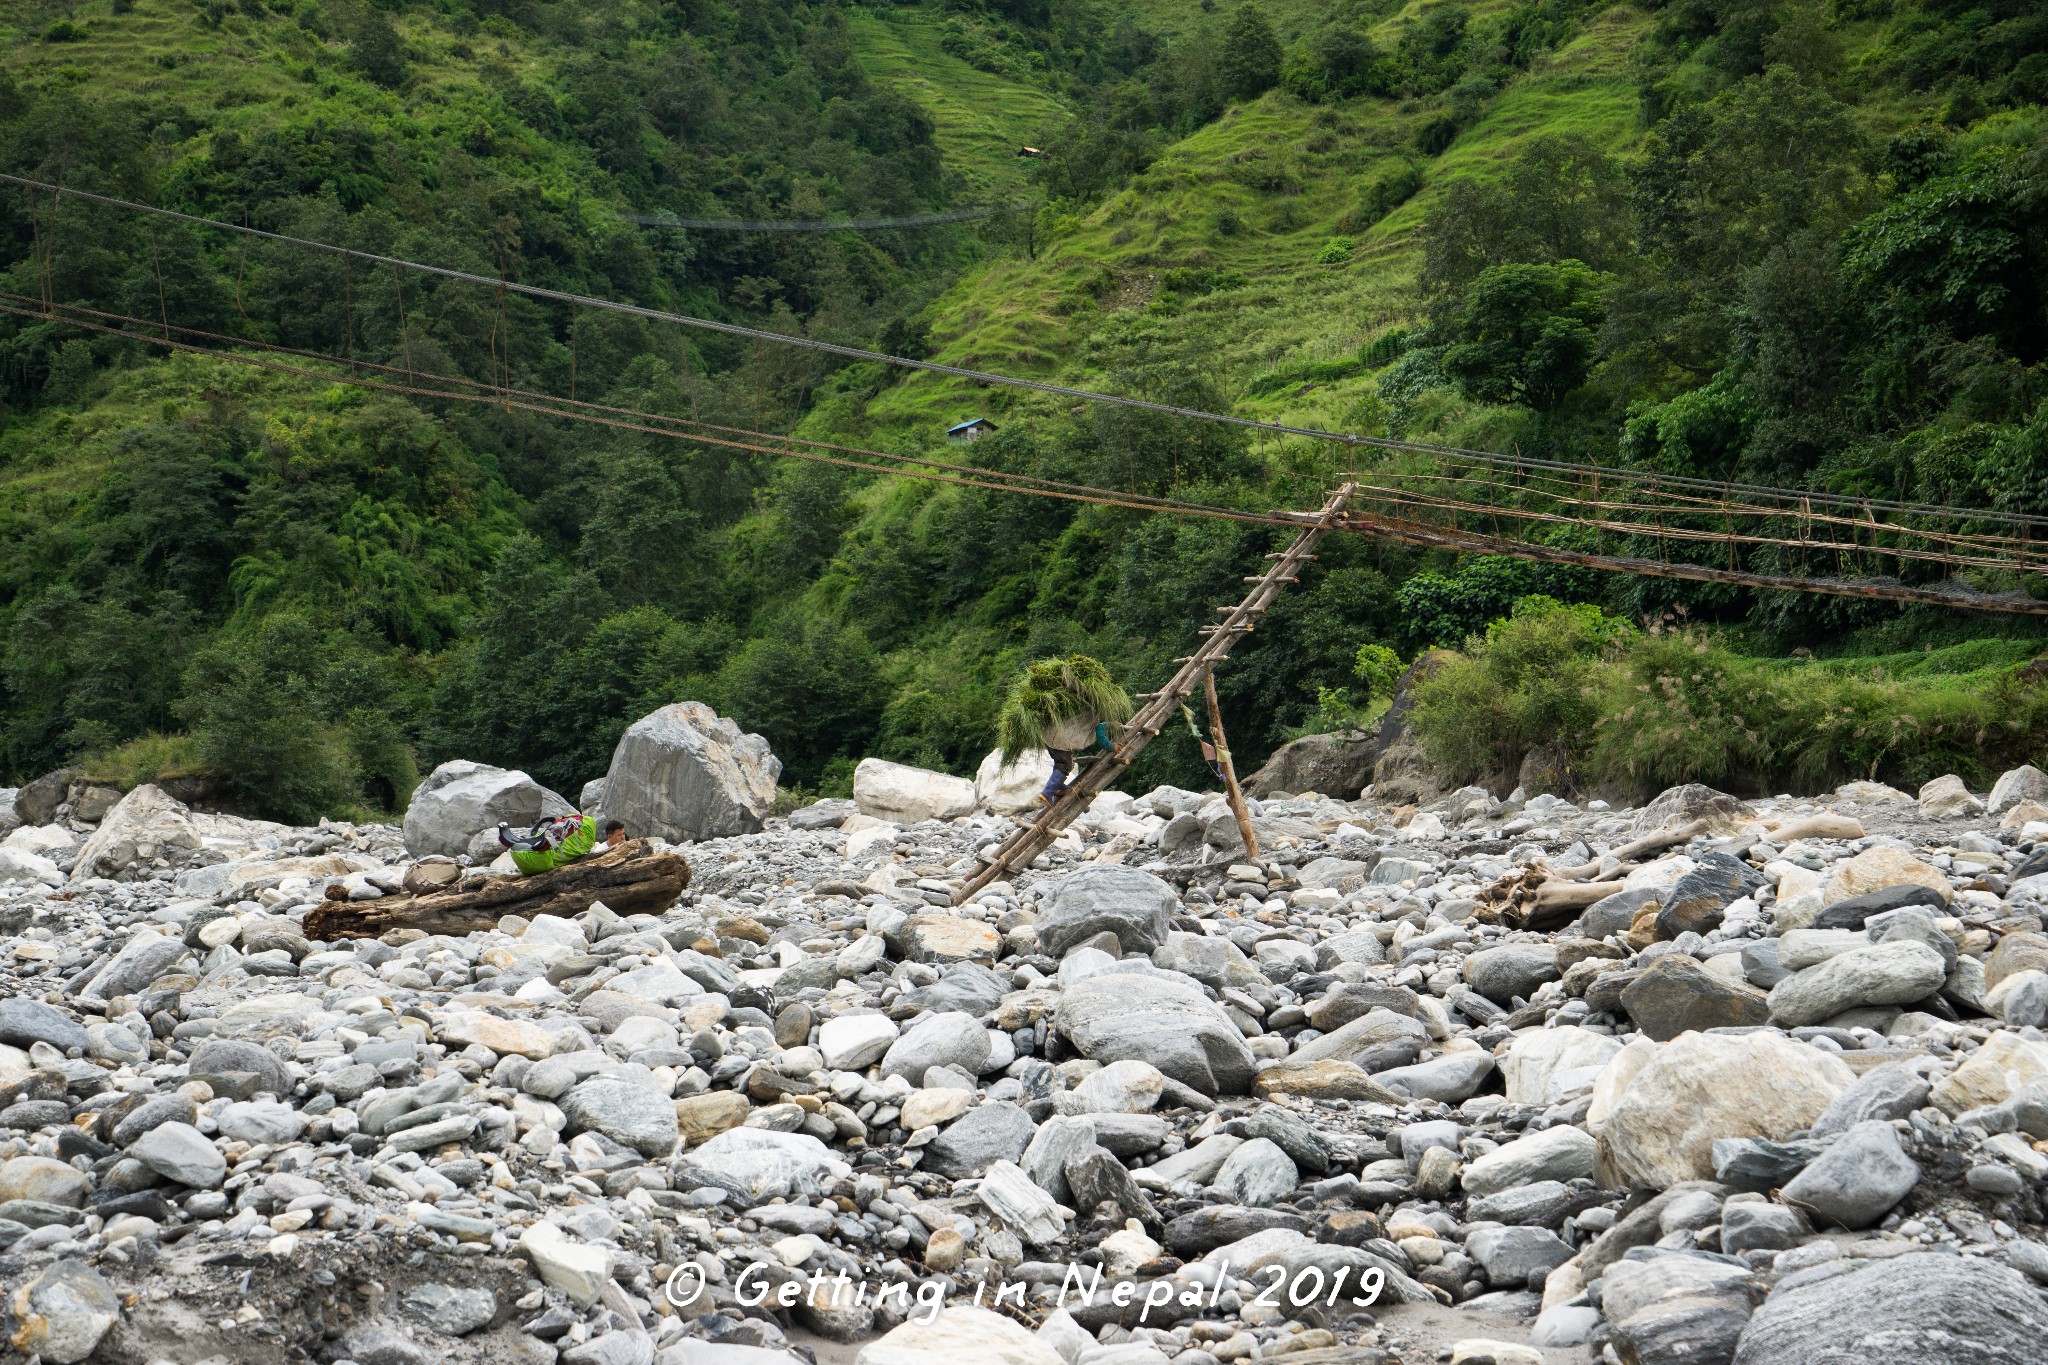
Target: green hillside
[{"x": 1786, "y": 243}]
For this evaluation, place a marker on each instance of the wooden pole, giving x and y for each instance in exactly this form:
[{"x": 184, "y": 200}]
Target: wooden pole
[
  {"x": 1030, "y": 840},
  {"x": 1230, "y": 787}
]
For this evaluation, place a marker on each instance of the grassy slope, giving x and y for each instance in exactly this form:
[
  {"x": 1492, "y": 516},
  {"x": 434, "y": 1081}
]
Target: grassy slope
[
  {"x": 982, "y": 118},
  {"x": 1290, "y": 172}
]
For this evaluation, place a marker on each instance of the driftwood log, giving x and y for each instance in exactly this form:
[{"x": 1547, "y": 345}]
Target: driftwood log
[
  {"x": 1535, "y": 898},
  {"x": 629, "y": 879}
]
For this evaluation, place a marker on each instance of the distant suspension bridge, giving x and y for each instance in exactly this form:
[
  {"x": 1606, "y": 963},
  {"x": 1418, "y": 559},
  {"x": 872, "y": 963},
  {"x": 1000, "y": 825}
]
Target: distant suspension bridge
[{"x": 1415, "y": 493}]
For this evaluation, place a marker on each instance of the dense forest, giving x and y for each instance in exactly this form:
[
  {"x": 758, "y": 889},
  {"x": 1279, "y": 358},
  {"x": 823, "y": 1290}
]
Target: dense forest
[{"x": 1800, "y": 244}]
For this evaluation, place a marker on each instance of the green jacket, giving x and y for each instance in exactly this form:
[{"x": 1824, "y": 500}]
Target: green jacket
[{"x": 568, "y": 851}]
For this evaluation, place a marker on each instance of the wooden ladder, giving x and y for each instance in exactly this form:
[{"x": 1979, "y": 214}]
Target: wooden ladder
[{"x": 1032, "y": 839}]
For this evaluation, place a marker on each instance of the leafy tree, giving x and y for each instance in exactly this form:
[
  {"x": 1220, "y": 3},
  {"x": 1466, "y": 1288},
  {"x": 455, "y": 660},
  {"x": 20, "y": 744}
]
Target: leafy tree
[
  {"x": 260, "y": 711},
  {"x": 1562, "y": 199},
  {"x": 1720, "y": 184},
  {"x": 1528, "y": 333},
  {"x": 1249, "y": 61},
  {"x": 373, "y": 44}
]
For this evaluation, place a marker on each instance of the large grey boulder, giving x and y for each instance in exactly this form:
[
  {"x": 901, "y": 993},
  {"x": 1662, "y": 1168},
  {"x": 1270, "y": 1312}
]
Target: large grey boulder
[
  {"x": 63, "y": 1313},
  {"x": 1678, "y": 806},
  {"x": 1335, "y": 765},
  {"x": 36, "y": 801},
  {"x": 1858, "y": 1178},
  {"x": 1120, "y": 1016},
  {"x": 2024, "y": 783},
  {"x": 1927, "y": 1308},
  {"x": 1135, "y": 906},
  {"x": 461, "y": 799},
  {"x": 685, "y": 772},
  {"x": 1893, "y": 973},
  {"x": 10, "y": 818}
]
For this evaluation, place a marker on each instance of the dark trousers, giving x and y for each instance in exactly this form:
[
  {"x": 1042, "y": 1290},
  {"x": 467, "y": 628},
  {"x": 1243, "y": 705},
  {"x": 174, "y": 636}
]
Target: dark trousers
[{"x": 1062, "y": 769}]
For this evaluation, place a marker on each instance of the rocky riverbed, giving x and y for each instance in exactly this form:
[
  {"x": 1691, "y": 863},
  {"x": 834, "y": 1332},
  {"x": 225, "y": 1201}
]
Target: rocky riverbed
[{"x": 1756, "y": 1081}]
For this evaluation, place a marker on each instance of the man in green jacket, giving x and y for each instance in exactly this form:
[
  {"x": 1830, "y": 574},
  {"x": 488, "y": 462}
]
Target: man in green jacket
[{"x": 552, "y": 843}]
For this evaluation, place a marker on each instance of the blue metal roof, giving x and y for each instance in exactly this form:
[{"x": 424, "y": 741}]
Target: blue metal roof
[{"x": 971, "y": 422}]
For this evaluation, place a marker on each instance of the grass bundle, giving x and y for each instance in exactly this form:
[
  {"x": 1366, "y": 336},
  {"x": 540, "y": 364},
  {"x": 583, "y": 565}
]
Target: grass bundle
[{"x": 1058, "y": 699}]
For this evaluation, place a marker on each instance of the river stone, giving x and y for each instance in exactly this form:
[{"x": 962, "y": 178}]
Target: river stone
[
  {"x": 758, "y": 1164},
  {"x": 950, "y": 1038},
  {"x": 1696, "y": 902},
  {"x": 1135, "y": 906},
  {"x": 1947, "y": 798},
  {"x": 1856, "y": 911},
  {"x": 1378, "y": 1029},
  {"x": 24, "y": 1021},
  {"x": 180, "y": 1152},
  {"x": 1540, "y": 1203},
  {"x": 1510, "y": 1255},
  {"x": 219, "y": 1059},
  {"x": 637, "y": 1116},
  {"x": 1257, "y": 1174},
  {"x": 451, "y": 1310},
  {"x": 2024, "y": 783},
  {"x": 1894, "y": 973},
  {"x": 1614, "y": 914},
  {"x": 45, "y": 1180},
  {"x": 1914, "y": 924},
  {"x": 1757, "y": 1226},
  {"x": 151, "y": 1112},
  {"x": 853, "y": 1042},
  {"x": 1629, "y": 1286},
  {"x": 1877, "y": 869},
  {"x": 1924, "y": 1309},
  {"x": 1661, "y": 1127},
  {"x": 1760, "y": 1165},
  {"x": 143, "y": 959},
  {"x": 63, "y": 1312},
  {"x": 1891, "y": 1091},
  {"x": 1544, "y": 1066},
  {"x": 1562, "y": 1152},
  {"x": 1858, "y": 1178},
  {"x": 2015, "y": 953},
  {"x": 1170, "y": 1023},
  {"x": 1514, "y": 969},
  {"x": 1678, "y": 806},
  {"x": 984, "y": 1135},
  {"x": 1676, "y": 995},
  {"x": 1449, "y": 1079},
  {"x": 265, "y": 1121}
]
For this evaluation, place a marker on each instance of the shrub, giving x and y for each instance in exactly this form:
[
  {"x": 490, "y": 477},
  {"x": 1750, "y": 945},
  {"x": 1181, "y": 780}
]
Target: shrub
[
  {"x": 1637, "y": 712},
  {"x": 146, "y": 758},
  {"x": 1527, "y": 683},
  {"x": 1336, "y": 251}
]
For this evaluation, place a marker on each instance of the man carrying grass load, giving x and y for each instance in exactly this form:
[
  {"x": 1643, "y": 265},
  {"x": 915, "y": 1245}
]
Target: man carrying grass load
[{"x": 1062, "y": 706}]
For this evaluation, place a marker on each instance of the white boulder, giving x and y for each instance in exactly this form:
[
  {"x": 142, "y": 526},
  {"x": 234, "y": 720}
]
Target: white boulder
[
  {"x": 146, "y": 822},
  {"x": 1011, "y": 788},
  {"x": 906, "y": 795}
]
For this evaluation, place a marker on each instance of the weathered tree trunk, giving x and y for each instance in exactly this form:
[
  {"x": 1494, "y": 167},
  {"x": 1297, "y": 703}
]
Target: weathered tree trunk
[{"x": 628, "y": 879}]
